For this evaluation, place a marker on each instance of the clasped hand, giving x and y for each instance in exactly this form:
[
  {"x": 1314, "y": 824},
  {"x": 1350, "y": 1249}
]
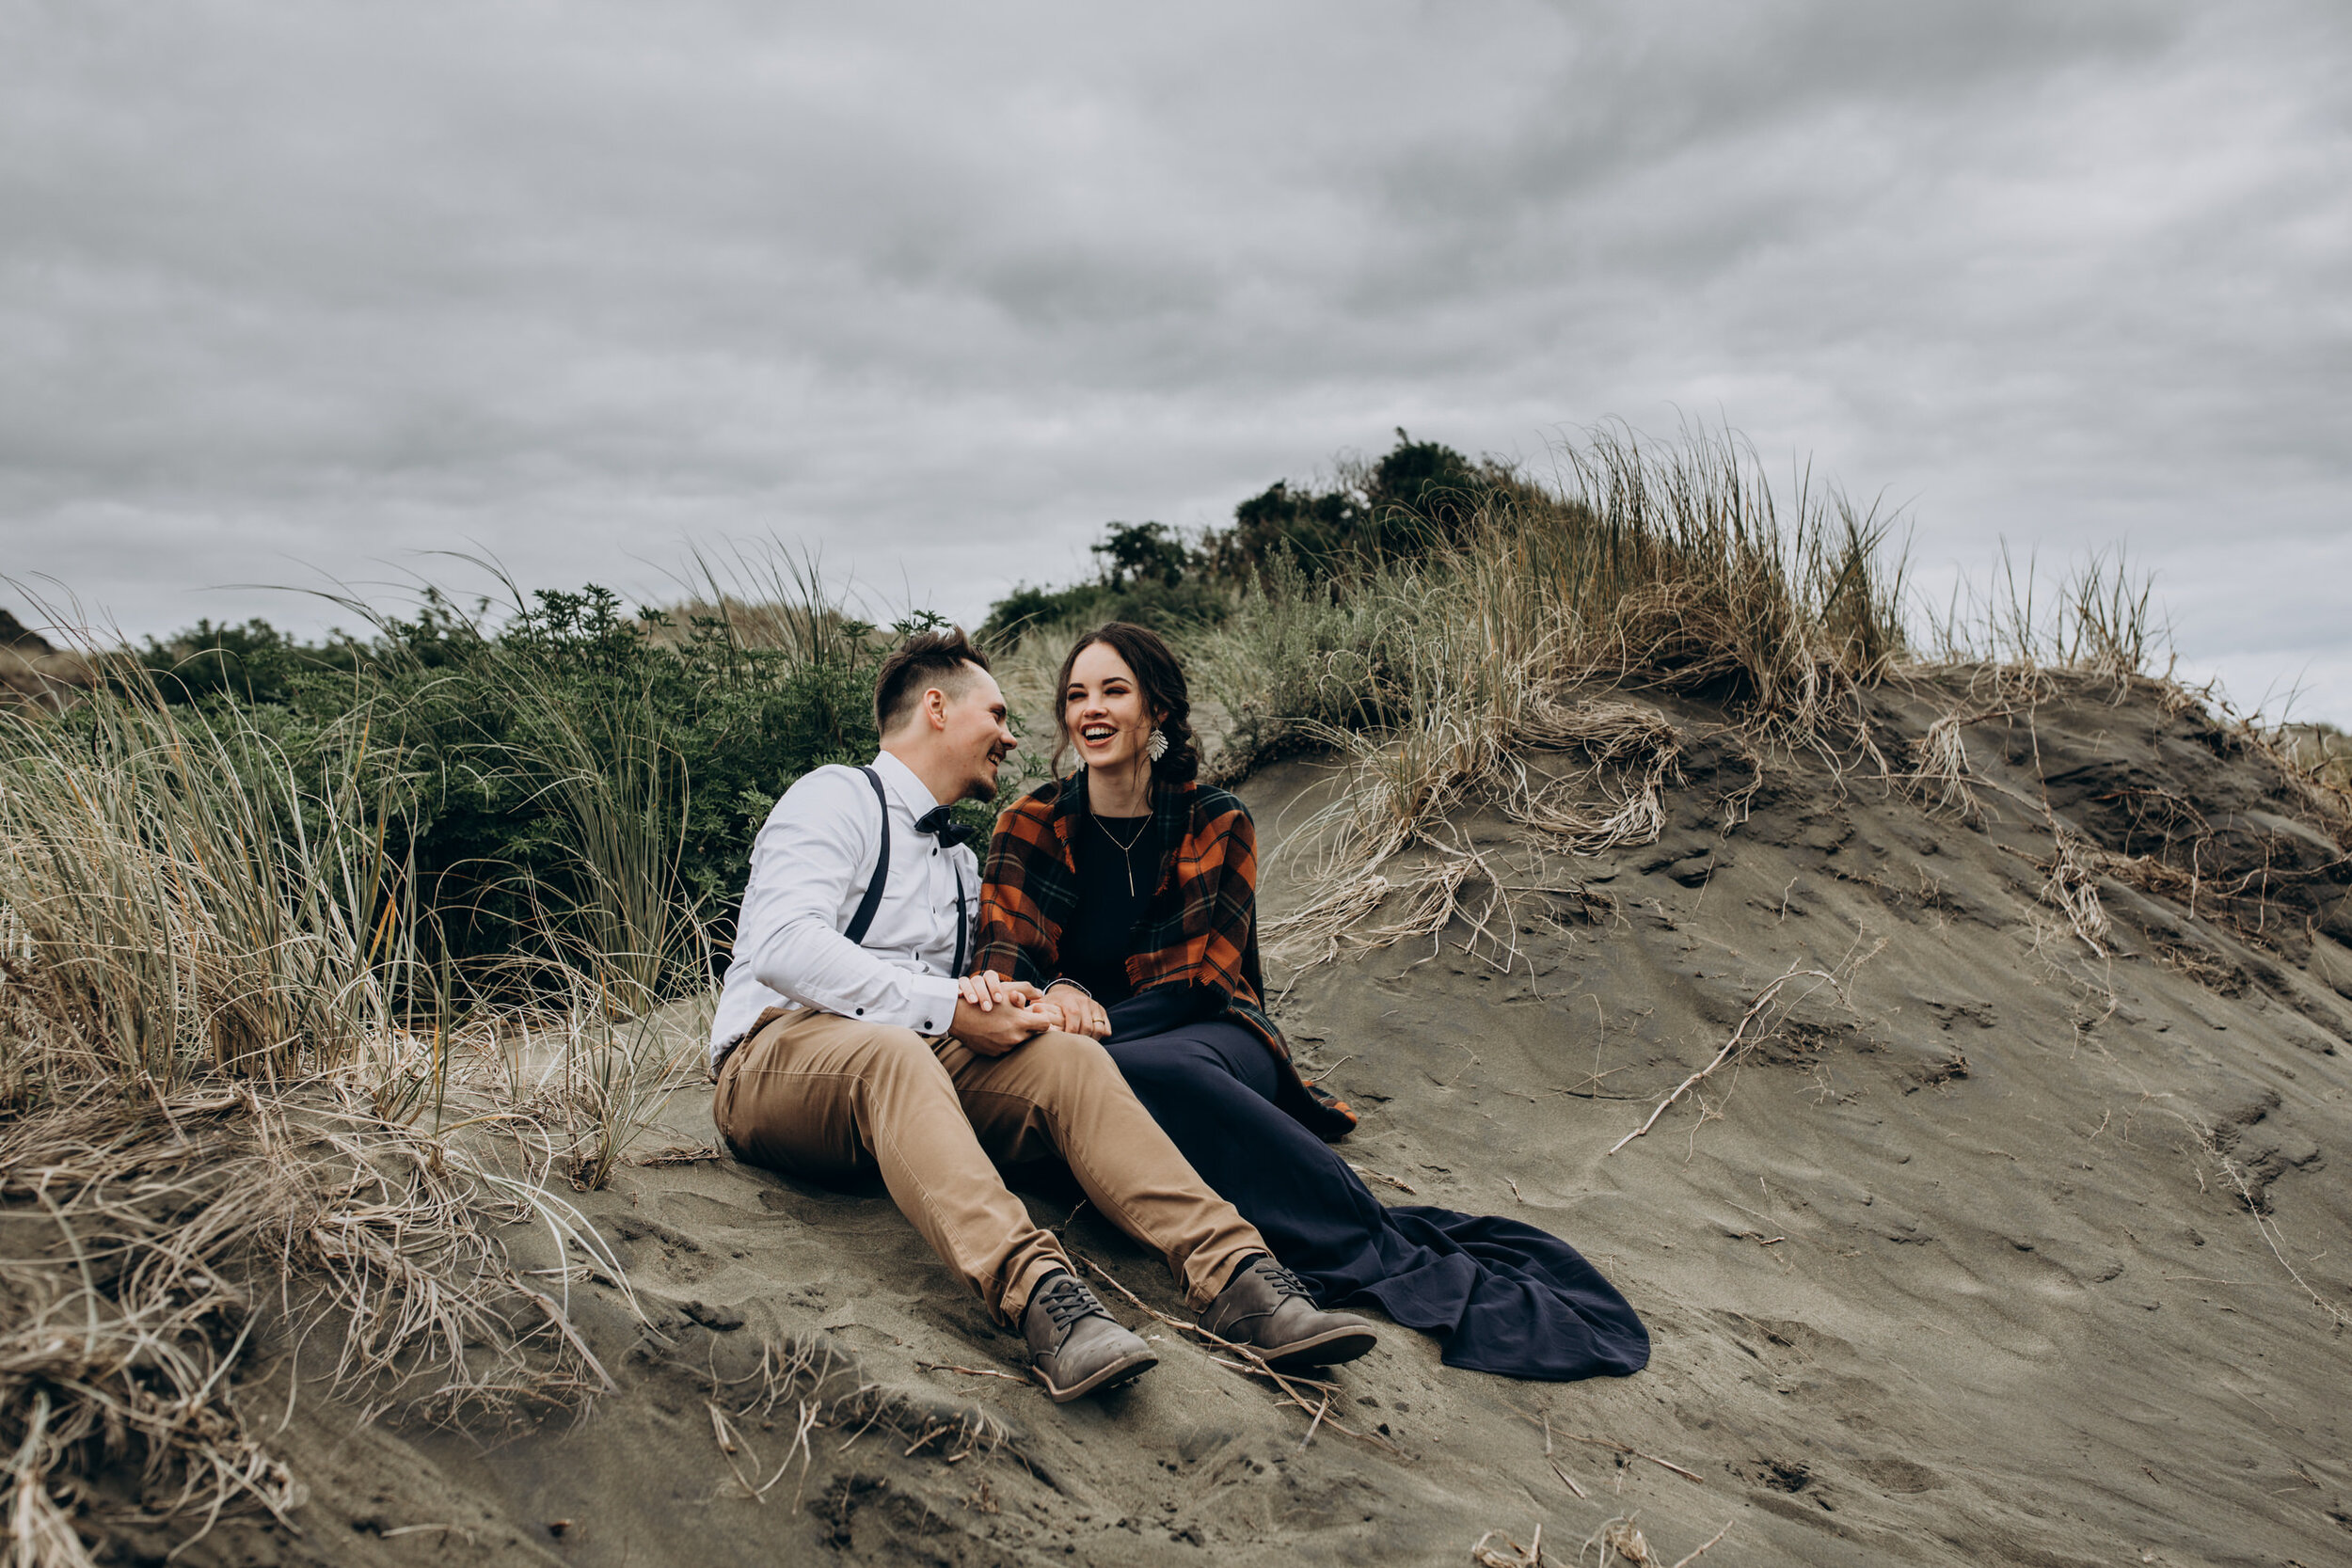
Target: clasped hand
[{"x": 993, "y": 1014}]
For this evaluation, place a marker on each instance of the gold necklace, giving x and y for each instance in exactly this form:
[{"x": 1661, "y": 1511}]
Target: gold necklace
[{"x": 1127, "y": 850}]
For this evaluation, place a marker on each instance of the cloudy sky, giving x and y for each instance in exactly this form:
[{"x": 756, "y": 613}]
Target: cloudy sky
[{"x": 293, "y": 293}]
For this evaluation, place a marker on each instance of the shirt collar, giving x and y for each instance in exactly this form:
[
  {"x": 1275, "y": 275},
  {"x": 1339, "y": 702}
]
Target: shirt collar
[{"x": 905, "y": 783}]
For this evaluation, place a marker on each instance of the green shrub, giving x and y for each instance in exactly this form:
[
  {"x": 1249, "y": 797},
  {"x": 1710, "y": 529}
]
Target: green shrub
[
  {"x": 255, "y": 661},
  {"x": 1419, "y": 497},
  {"x": 539, "y": 780},
  {"x": 1149, "y": 575}
]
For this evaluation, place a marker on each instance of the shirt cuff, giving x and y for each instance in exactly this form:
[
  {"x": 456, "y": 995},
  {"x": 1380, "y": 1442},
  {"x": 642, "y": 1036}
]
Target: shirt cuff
[{"x": 934, "y": 997}]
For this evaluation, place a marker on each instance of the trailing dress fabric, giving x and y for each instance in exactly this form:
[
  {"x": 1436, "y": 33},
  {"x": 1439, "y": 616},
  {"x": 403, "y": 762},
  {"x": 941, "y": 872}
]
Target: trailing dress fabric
[{"x": 1156, "y": 917}]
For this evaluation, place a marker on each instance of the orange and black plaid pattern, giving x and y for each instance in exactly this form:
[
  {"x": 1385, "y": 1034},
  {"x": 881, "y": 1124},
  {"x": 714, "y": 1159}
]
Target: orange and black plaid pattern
[{"x": 1198, "y": 928}]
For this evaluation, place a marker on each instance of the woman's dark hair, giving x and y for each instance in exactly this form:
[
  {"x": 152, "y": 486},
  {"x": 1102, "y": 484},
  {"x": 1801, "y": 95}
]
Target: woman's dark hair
[{"x": 1159, "y": 681}]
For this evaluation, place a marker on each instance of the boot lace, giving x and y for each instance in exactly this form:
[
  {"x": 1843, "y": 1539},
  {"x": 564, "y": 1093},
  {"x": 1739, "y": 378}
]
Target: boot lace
[
  {"x": 1283, "y": 1281},
  {"x": 1067, "y": 1300}
]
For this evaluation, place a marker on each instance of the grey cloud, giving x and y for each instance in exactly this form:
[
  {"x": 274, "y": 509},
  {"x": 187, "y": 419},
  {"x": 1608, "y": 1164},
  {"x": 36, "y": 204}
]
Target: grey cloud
[{"x": 940, "y": 289}]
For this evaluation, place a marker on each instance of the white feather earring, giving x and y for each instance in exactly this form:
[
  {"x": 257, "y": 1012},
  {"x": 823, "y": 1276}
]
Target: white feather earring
[{"x": 1156, "y": 746}]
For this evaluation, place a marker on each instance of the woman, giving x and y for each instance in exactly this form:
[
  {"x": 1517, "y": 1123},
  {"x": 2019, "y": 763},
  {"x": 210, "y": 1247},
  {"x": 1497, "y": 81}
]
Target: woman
[{"x": 1129, "y": 890}]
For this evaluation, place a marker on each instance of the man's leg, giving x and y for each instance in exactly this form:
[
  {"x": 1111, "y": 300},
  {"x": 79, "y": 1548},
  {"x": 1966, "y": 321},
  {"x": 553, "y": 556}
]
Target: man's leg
[
  {"x": 824, "y": 1096},
  {"x": 1061, "y": 1095}
]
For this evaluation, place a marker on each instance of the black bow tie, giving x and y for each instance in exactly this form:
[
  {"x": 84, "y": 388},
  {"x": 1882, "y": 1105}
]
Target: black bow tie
[{"x": 942, "y": 827}]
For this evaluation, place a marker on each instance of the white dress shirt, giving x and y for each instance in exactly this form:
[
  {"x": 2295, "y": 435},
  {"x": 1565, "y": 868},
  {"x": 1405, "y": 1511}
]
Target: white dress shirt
[{"x": 810, "y": 866}]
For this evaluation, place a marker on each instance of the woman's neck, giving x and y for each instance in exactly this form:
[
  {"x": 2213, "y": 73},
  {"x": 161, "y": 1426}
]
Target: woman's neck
[{"x": 1125, "y": 791}]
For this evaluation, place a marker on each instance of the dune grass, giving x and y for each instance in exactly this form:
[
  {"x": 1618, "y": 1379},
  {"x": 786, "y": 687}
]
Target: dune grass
[
  {"x": 238, "y": 1063},
  {"x": 269, "y": 969},
  {"x": 1536, "y": 628}
]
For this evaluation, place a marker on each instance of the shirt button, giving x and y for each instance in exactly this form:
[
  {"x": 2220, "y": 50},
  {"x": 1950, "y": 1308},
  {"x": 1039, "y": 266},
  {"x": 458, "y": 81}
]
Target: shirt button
[{"x": 860, "y": 1012}]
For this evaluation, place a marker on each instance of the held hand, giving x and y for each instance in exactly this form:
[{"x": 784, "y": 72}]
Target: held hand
[
  {"x": 993, "y": 1030},
  {"x": 989, "y": 990},
  {"x": 982, "y": 990},
  {"x": 1081, "y": 1014}
]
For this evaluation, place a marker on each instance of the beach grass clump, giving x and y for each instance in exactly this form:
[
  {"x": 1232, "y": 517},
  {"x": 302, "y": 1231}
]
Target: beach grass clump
[
  {"x": 1676, "y": 568},
  {"x": 1526, "y": 622},
  {"x": 153, "y": 1246},
  {"x": 236, "y": 1075},
  {"x": 175, "y": 902},
  {"x": 2322, "y": 751},
  {"x": 2097, "y": 619}
]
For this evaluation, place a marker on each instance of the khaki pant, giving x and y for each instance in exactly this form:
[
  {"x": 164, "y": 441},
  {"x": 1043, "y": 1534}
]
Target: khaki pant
[{"x": 822, "y": 1096}]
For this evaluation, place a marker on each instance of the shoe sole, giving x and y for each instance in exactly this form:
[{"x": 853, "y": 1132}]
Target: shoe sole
[
  {"x": 1112, "y": 1376},
  {"x": 1327, "y": 1349}
]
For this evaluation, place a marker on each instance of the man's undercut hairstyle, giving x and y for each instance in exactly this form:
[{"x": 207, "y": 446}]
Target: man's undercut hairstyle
[{"x": 943, "y": 659}]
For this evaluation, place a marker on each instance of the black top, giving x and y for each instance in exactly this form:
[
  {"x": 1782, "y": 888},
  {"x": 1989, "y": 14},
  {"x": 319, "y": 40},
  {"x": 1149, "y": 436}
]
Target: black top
[{"x": 1094, "y": 950}]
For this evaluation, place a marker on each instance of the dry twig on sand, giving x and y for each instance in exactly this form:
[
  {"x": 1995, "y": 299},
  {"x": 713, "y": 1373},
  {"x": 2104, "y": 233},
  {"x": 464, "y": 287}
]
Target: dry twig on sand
[
  {"x": 1371, "y": 1175},
  {"x": 1566, "y": 1478},
  {"x": 1742, "y": 1039},
  {"x": 1631, "y": 1452},
  {"x": 2251, "y": 1201},
  {"x": 968, "y": 1372},
  {"x": 679, "y": 1154},
  {"x": 1251, "y": 1363}
]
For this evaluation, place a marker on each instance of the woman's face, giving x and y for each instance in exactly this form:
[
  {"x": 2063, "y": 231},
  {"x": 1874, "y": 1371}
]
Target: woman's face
[{"x": 1104, "y": 710}]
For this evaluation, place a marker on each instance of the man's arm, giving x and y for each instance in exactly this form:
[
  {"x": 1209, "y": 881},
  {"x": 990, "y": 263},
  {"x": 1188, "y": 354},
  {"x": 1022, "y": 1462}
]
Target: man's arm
[{"x": 810, "y": 853}]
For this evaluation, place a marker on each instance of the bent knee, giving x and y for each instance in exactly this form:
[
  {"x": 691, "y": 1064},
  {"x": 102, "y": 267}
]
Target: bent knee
[
  {"x": 888, "y": 1050},
  {"x": 1073, "y": 1054},
  {"x": 1161, "y": 1066}
]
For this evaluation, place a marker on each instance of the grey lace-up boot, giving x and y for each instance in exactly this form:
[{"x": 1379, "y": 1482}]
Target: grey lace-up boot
[
  {"x": 1078, "y": 1346},
  {"x": 1269, "y": 1308}
]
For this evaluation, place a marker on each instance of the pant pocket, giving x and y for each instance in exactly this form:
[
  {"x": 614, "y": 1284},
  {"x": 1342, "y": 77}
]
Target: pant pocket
[{"x": 723, "y": 1107}]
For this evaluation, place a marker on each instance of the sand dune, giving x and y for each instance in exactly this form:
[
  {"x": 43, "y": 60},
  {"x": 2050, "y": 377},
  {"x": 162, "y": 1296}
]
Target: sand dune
[{"x": 2028, "y": 1241}]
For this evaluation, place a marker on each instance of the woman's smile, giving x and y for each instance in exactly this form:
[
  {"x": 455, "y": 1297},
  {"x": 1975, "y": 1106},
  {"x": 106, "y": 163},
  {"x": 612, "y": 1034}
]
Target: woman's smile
[{"x": 1104, "y": 710}]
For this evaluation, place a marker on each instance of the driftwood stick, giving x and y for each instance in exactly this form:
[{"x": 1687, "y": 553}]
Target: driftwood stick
[
  {"x": 1257, "y": 1363},
  {"x": 968, "y": 1372},
  {"x": 1685, "y": 1562},
  {"x": 1632, "y": 1453},
  {"x": 1732, "y": 1047}
]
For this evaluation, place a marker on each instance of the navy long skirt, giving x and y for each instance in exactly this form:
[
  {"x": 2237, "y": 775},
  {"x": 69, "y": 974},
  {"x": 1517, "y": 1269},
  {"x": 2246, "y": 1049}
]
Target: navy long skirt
[{"x": 1507, "y": 1298}]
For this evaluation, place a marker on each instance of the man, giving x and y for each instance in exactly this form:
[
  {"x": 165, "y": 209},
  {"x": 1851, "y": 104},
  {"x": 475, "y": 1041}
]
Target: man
[{"x": 849, "y": 1039}]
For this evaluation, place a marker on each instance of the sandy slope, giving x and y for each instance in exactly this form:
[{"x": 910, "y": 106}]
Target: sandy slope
[{"x": 1957, "y": 1273}]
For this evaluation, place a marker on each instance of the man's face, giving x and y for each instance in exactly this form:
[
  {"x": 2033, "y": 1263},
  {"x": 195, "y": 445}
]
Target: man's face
[{"x": 976, "y": 735}]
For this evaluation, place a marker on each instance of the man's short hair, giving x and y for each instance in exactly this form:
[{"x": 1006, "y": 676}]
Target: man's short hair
[{"x": 928, "y": 659}]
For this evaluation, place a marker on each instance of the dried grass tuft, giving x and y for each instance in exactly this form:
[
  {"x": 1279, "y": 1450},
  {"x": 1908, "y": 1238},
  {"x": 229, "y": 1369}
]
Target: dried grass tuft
[
  {"x": 1620, "y": 1540},
  {"x": 2073, "y": 886},
  {"x": 146, "y": 1239},
  {"x": 1511, "y": 1554},
  {"x": 1677, "y": 568},
  {"x": 1403, "y": 792},
  {"x": 1618, "y": 798},
  {"x": 825, "y": 1393}
]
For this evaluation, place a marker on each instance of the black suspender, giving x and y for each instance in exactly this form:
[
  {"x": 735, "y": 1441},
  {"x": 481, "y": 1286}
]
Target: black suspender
[
  {"x": 953, "y": 870},
  {"x": 863, "y": 921}
]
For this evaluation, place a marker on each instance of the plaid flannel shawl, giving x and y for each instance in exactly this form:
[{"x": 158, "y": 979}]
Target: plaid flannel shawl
[{"x": 1200, "y": 926}]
